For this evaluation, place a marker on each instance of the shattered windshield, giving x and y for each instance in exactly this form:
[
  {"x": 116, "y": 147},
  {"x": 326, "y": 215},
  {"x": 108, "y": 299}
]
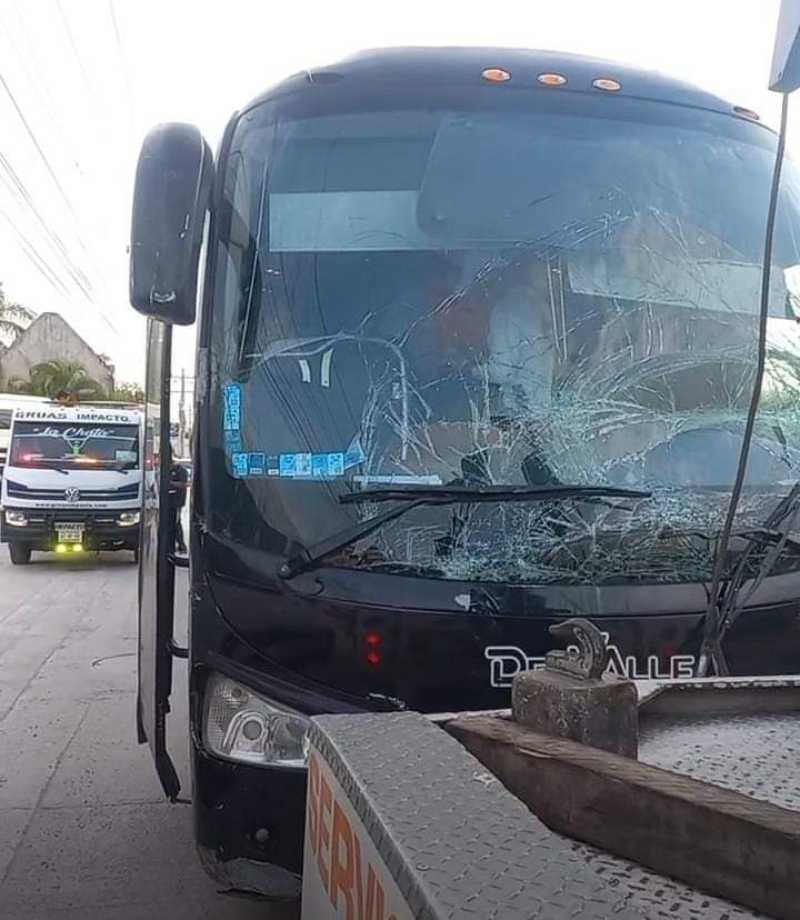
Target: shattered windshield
[{"x": 552, "y": 293}]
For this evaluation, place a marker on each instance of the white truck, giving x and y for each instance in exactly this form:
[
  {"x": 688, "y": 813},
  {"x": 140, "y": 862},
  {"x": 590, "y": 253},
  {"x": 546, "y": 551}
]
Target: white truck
[
  {"x": 9, "y": 402},
  {"x": 72, "y": 480}
]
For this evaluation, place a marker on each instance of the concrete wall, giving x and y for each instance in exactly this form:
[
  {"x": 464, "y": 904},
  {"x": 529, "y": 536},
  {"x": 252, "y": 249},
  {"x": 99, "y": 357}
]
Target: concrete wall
[{"x": 50, "y": 337}]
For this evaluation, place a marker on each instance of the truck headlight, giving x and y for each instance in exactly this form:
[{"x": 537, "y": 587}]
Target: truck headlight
[
  {"x": 16, "y": 518},
  {"x": 243, "y": 726},
  {"x": 128, "y": 518}
]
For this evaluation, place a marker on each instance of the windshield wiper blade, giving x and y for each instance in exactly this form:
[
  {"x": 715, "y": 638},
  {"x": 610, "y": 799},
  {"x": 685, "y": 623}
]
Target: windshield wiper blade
[
  {"x": 468, "y": 494},
  {"x": 728, "y": 606},
  {"x": 48, "y": 465},
  {"x": 414, "y": 497},
  {"x": 768, "y": 536},
  {"x": 760, "y": 535},
  {"x": 308, "y": 558}
]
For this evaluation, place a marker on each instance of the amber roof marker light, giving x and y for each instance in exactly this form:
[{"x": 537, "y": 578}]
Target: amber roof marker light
[
  {"x": 496, "y": 75},
  {"x": 552, "y": 79},
  {"x": 746, "y": 113},
  {"x": 607, "y": 84}
]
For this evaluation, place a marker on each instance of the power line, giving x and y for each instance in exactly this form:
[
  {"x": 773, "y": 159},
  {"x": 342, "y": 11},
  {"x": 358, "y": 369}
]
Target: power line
[
  {"x": 48, "y": 165},
  {"x": 42, "y": 88},
  {"x": 123, "y": 62},
  {"x": 43, "y": 91},
  {"x": 40, "y": 265},
  {"x": 42, "y": 154},
  {"x": 18, "y": 187},
  {"x": 33, "y": 256},
  {"x": 77, "y": 275},
  {"x": 90, "y": 93},
  {"x": 78, "y": 58}
]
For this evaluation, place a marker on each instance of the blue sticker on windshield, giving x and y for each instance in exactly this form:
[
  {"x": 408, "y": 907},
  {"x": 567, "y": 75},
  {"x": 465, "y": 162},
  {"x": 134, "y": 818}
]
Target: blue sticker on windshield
[
  {"x": 327, "y": 466},
  {"x": 299, "y": 466},
  {"x": 258, "y": 464},
  {"x": 355, "y": 454},
  {"x": 288, "y": 464},
  {"x": 319, "y": 466},
  {"x": 232, "y": 419},
  {"x": 239, "y": 465},
  {"x": 233, "y": 441}
]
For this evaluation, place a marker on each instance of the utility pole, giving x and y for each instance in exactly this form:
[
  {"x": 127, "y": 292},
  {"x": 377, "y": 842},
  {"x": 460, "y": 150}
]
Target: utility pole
[{"x": 182, "y": 414}]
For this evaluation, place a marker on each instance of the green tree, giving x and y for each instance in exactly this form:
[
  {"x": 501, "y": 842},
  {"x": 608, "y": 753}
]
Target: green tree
[
  {"x": 14, "y": 318},
  {"x": 59, "y": 378},
  {"x": 127, "y": 392}
]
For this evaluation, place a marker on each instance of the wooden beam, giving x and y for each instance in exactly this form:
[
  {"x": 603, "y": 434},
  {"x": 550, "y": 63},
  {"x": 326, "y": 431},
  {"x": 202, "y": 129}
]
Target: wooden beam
[{"x": 719, "y": 841}]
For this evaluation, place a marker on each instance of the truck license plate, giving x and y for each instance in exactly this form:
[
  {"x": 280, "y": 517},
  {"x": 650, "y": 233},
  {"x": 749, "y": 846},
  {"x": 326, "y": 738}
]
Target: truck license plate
[{"x": 70, "y": 533}]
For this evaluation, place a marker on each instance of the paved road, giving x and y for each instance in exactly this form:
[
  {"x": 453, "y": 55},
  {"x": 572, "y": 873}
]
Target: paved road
[{"x": 84, "y": 830}]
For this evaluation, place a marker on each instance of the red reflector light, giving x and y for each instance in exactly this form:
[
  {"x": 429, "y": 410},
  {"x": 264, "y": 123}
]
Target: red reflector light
[{"x": 373, "y": 640}]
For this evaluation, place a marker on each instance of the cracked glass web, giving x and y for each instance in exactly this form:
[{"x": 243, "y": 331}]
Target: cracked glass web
[{"x": 587, "y": 317}]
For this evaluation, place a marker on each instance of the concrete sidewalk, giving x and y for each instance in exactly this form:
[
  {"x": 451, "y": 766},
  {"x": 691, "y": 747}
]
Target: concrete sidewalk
[{"x": 84, "y": 828}]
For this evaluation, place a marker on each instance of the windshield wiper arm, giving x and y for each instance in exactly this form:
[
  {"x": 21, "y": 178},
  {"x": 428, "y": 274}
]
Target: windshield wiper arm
[
  {"x": 308, "y": 558},
  {"x": 468, "y": 494},
  {"x": 767, "y": 535},
  {"x": 762, "y": 535},
  {"x": 414, "y": 497}
]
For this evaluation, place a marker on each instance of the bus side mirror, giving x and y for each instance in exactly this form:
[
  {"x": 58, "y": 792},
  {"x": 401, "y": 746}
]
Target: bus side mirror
[{"x": 171, "y": 198}]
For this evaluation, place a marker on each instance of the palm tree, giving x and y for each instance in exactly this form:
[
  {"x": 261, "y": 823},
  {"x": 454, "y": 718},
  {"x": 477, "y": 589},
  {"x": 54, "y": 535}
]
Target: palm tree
[
  {"x": 127, "y": 392},
  {"x": 59, "y": 378},
  {"x": 14, "y": 318}
]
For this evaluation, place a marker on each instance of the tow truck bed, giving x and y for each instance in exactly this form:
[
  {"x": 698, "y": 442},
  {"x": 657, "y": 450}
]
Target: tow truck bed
[
  {"x": 755, "y": 753},
  {"x": 394, "y": 798}
]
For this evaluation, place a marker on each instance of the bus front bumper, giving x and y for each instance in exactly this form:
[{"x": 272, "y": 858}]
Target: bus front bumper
[
  {"x": 101, "y": 529},
  {"x": 249, "y": 824}
]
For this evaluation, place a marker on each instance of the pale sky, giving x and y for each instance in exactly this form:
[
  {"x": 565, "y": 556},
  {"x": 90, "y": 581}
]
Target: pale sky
[{"x": 90, "y": 77}]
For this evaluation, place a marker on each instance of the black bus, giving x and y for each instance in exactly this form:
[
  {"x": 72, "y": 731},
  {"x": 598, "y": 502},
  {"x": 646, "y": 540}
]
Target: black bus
[{"x": 477, "y": 339}]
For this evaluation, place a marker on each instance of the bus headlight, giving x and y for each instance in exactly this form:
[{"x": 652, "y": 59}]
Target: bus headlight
[
  {"x": 241, "y": 725},
  {"x": 128, "y": 518},
  {"x": 16, "y": 518}
]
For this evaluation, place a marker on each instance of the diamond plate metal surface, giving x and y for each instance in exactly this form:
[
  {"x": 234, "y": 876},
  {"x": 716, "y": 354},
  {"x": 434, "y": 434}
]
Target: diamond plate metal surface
[
  {"x": 757, "y": 755},
  {"x": 461, "y": 846}
]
